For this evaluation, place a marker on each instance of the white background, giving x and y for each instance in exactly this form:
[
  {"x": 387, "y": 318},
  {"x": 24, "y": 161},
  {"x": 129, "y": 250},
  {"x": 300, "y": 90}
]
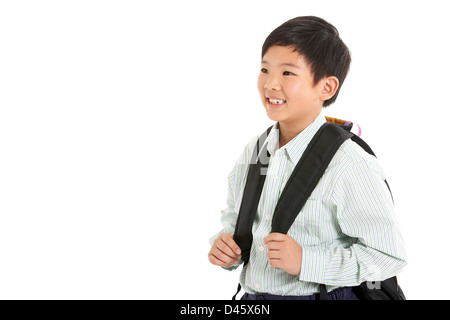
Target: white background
[{"x": 120, "y": 121}]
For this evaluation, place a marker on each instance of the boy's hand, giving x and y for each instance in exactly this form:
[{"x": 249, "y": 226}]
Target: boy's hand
[
  {"x": 284, "y": 253},
  {"x": 224, "y": 251}
]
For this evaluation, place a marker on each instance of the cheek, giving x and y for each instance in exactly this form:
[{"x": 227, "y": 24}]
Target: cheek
[
  {"x": 295, "y": 87},
  {"x": 260, "y": 84},
  {"x": 297, "y": 93}
]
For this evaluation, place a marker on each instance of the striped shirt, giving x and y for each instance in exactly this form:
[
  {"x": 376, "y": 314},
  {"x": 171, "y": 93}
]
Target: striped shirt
[{"x": 347, "y": 229}]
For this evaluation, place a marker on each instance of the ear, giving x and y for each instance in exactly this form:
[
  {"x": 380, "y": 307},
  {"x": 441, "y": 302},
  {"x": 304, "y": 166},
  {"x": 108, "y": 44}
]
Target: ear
[{"x": 329, "y": 86}]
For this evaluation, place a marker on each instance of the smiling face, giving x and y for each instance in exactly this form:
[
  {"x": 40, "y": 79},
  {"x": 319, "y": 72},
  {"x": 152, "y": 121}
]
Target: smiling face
[{"x": 287, "y": 90}]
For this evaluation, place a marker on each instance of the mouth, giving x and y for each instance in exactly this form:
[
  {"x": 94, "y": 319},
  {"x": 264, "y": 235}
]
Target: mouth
[{"x": 275, "y": 103}]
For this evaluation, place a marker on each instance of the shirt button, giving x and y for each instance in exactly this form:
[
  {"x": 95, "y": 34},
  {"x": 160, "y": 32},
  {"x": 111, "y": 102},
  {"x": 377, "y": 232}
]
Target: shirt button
[
  {"x": 257, "y": 286},
  {"x": 268, "y": 217},
  {"x": 261, "y": 248}
]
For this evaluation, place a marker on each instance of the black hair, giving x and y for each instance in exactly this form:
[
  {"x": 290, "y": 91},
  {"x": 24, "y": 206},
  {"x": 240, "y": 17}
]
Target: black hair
[{"x": 319, "y": 43}]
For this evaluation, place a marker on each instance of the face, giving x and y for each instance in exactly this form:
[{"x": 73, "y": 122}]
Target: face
[{"x": 286, "y": 86}]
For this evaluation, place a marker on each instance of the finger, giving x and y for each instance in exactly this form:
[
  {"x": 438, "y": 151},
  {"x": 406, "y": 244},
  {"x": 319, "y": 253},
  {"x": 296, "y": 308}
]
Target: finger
[
  {"x": 274, "y": 255},
  {"x": 225, "y": 248},
  {"x": 228, "y": 239},
  {"x": 221, "y": 260},
  {"x": 274, "y": 245},
  {"x": 214, "y": 260},
  {"x": 276, "y": 263},
  {"x": 223, "y": 256},
  {"x": 275, "y": 237}
]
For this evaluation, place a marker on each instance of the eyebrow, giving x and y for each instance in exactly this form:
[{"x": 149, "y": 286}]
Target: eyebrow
[{"x": 283, "y": 64}]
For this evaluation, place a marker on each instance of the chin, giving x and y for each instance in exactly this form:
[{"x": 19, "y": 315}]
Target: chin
[{"x": 275, "y": 116}]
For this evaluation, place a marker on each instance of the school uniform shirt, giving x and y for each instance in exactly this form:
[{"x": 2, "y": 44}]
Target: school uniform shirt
[{"x": 347, "y": 229}]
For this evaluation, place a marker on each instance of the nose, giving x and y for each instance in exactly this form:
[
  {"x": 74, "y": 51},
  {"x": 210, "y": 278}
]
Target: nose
[{"x": 272, "y": 83}]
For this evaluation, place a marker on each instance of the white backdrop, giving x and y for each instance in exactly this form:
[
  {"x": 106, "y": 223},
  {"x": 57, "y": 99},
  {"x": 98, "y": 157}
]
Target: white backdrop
[{"x": 120, "y": 121}]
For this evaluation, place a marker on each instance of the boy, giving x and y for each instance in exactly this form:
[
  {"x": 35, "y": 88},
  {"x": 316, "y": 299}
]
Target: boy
[{"x": 347, "y": 232}]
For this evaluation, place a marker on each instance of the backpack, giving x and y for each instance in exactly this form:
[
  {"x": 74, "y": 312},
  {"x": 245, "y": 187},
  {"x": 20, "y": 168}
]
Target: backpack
[{"x": 297, "y": 190}]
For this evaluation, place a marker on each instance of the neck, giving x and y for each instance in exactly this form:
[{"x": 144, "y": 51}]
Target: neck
[{"x": 289, "y": 130}]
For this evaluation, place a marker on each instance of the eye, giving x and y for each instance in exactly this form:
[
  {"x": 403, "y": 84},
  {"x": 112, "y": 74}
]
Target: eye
[
  {"x": 288, "y": 73},
  {"x": 263, "y": 70}
]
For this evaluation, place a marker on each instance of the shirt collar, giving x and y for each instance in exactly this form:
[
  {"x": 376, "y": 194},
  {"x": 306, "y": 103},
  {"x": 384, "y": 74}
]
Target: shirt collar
[{"x": 294, "y": 148}]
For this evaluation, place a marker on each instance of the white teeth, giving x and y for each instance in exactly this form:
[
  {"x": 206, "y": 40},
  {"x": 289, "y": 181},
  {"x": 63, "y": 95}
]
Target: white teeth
[{"x": 276, "y": 101}]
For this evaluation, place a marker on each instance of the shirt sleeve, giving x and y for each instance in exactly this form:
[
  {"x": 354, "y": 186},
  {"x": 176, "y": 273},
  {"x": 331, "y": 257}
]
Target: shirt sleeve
[
  {"x": 228, "y": 216},
  {"x": 365, "y": 213}
]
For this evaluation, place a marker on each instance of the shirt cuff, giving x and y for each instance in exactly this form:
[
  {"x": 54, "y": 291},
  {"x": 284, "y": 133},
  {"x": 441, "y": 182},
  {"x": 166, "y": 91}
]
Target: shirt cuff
[
  {"x": 313, "y": 265},
  {"x": 234, "y": 266}
]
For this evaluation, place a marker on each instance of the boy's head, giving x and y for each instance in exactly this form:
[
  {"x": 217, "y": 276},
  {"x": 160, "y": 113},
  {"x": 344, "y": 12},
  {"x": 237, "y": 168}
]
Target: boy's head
[{"x": 304, "y": 64}]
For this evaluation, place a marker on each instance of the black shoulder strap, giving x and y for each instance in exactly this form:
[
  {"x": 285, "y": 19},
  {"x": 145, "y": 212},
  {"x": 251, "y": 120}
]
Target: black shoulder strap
[
  {"x": 307, "y": 174},
  {"x": 250, "y": 199}
]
